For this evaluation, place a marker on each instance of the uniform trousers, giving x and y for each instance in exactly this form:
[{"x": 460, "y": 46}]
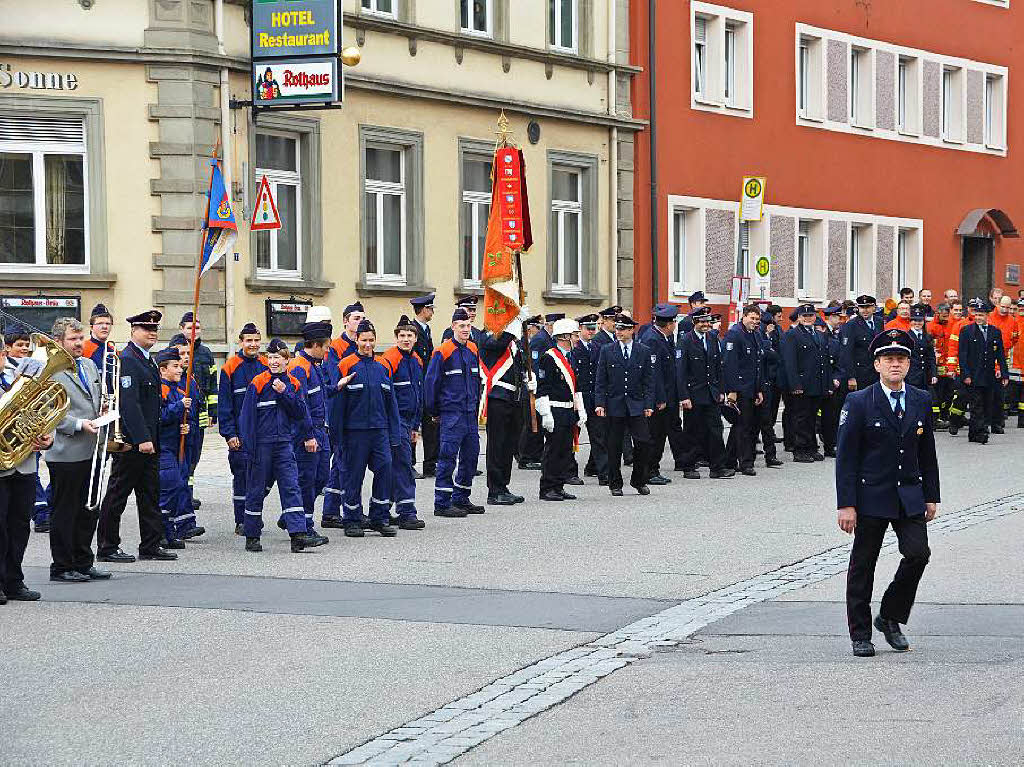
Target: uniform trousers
[
  {"x": 1014, "y": 401},
  {"x": 998, "y": 415},
  {"x": 367, "y": 449},
  {"x": 912, "y": 535},
  {"x": 175, "y": 499},
  {"x": 664, "y": 424},
  {"x": 335, "y": 482},
  {"x": 430, "y": 437},
  {"x": 597, "y": 432},
  {"x": 403, "y": 476},
  {"x": 17, "y": 494},
  {"x": 194, "y": 455},
  {"x": 958, "y": 404},
  {"x": 944, "y": 395},
  {"x": 787, "y": 421},
  {"x": 314, "y": 470},
  {"x": 637, "y": 426},
  {"x": 504, "y": 425},
  {"x": 739, "y": 450},
  {"x": 805, "y": 412},
  {"x": 138, "y": 473},
  {"x": 460, "y": 442},
  {"x": 72, "y": 526},
  {"x": 238, "y": 463},
  {"x": 983, "y": 402},
  {"x": 703, "y": 426},
  {"x": 558, "y": 463},
  {"x": 268, "y": 462},
  {"x": 831, "y": 407},
  {"x": 766, "y": 415}
]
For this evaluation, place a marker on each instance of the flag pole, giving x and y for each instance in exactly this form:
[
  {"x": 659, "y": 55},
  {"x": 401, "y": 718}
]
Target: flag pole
[
  {"x": 517, "y": 260},
  {"x": 195, "y": 305}
]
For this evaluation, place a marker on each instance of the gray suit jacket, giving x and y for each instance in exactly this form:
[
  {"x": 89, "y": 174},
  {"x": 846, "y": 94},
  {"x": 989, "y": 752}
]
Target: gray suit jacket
[{"x": 71, "y": 442}]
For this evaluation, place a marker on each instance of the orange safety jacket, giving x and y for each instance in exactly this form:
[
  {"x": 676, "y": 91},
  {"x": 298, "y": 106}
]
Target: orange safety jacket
[
  {"x": 1008, "y": 328},
  {"x": 939, "y": 332}
]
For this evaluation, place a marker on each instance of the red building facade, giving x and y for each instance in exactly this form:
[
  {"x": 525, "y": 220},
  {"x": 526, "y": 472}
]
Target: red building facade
[{"x": 884, "y": 131}]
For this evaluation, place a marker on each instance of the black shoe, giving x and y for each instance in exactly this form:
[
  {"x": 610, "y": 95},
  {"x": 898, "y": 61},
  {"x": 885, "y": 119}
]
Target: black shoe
[
  {"x": 516, "y": 498},
  {"x": 314, "y": 539},
  {"x": 163, "y": 555},
  {"x": 469, "y": 507},
  {"x": 42, "y": 527},
  {"x": 196, "y": 504},
  {"x": 862, "y": 648},
  {"x": 1020, "y": 423},
  {"x": 803, "y": 458},
  {"x": 478, "y": 473},
  {"x": 354, "y": 530},
  {"x": 384, "y": 529},
  {"x": 299, "y": 542},
  {"x": 69, "y": 576},
  {"x": 502, "y": 499},
  {"x": 94, "y": 574},
  {"x": 616, "y": 491},
  {"x": 175, "y": 544},
  {"x": 195, "y": 532},
  {"x": 239, "y": 530},
  {"x": 3, "y": 598},
  {"x": 411, "y": 523},
  {"x": 953, "y": 430},
  {"x": 772, "y": 463},
  {"x": 551, "y": 495},
  {"x": 429, "y": 472},
  {"x": 22, "y": 593},
  {"x": 995, "y": 430},
  {"x": 627, "y": 461},
  {"x": 589, "y": 473},
  {"x": 658, "y": 479},
  {"x": 643, "y": 490},
  {"x": 678, "y": 468},
  {"x": 117, "y": 556},
  {"x": 817, "y": 456},
  {"x": 830, "y": 452},
  {"x": 892, "y": 632},
  {"x": 574, "y": 481},
  {"x": 724, "y": 474},
  {"x": 253, "y": 544},
  {"x": 567, "y": 496},
  {"x": 451, "y": 513},
  {"x": 748, "y": 472},
  {"x": 335, "y": 522}
]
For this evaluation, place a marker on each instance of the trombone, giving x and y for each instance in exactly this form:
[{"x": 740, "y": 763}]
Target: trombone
[{"x": 110, "y": 439}]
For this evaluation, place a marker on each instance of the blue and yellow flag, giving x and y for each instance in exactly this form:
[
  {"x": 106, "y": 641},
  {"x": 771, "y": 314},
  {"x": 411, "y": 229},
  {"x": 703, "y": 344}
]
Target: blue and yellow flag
[{"x": 219, "y": 228}]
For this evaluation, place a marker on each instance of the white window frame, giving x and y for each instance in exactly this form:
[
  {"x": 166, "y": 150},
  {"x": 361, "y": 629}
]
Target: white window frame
[
  {"x": 861, "y": 87},
  {"x": 475, "y": 200},
  {"x": 373, "y": 8},
  {"x": 725, "y": 82},
  {"x": 730, "y": 64},
  {"x": 743, "y": 250},
  {"x": 803, "y": 68},
  {"x": 283, "y": 178},
  {"x": 902, "y": 235},
  {"x": 561, "y": 208},
  {"x": 700, "y": 58},
  {"x": 801, "y": 268},
  {"x": 38, "y": 150},
  {"x": 489, "y": 21},
  {"x": 994, "y": 114},
  {"x": 381, "y": 189},
  {"x": 853, "y": 261},
  {"x": 554, "y": 43},
  {"x": 902, "y": 93},
  {"x": 678, "y": 249}
]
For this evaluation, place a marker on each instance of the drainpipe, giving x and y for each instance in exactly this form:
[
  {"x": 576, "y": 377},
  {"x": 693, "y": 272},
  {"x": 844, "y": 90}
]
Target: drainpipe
[
  {"x": 227, "y": 154},
  {"x": 652, "y": 79},
  {"x": 613, "y": 164}
]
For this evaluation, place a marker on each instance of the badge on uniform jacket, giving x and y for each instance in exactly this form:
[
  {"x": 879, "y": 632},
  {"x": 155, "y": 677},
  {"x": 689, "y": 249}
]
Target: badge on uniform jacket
[
  {"x": 679, "y": 354},
  {"x": 728, "y": 346},
  {"x": 842, "y": 415},
  {"x": 126, "y": 382},
  {"x": 654, "y": 358},
  {"x": 846, "y": 341}
]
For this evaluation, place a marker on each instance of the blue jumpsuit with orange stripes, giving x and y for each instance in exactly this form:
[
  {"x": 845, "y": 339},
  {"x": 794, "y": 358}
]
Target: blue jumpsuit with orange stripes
[
  {"x": 235, "y": 377},
  {"x": 314, "y": 468},
  {"x": 175, "y": 499},
  {"x": 407, "y": 380},
  {"x": 341, "y": 347},
  {"x": 269, "y": 423},
  {"x": 451, "y": 391},
  {"x": 364, "y": 421}
]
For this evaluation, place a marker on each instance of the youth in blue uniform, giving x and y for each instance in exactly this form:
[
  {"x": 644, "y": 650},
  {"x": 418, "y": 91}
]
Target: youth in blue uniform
[
  {"x": 406, "y": 371},
  {"x": 307, "y": 368},
  {"x": 273, "y": 413},
  {"x": 235, "y": 376},
  {"x": 451, "y": 392},
  {"x": 364, "y": 421},
  {"x": 886, "y": 474},
  {"x": 340, "y": 347},
  {"x": 179, "y": 518}
]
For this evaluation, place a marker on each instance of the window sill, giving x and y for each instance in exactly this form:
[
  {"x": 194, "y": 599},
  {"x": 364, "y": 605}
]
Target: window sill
[
  {"x": 953, "y": 141},
  {"x": 68, "y": 280},
  {"x": 593, "y": 299},
  {"x": 705, "y": 101},
  {"x": 812, "y": 118},
  {"x": 862, "y": 126},
  {"x": 909, "y": 133},
  {"x": 468, "y": 289},
  {"x": 995, "y": 147},
  {"x": 384, "y": 289},
  {"x": 306, "y": 287}
]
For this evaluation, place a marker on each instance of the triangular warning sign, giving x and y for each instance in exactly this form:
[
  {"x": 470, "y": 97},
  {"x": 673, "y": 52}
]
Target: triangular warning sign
[{"x": 264, "y": 212}]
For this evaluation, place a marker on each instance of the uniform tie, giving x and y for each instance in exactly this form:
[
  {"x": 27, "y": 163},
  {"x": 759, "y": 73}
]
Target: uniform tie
[
  {"x": 897, "y": 398},
  {"x": 81, "y": 375},
  {"x": 625, "y": 352}
]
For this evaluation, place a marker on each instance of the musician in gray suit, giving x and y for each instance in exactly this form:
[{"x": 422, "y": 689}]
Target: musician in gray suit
[{"x": 72, "y": 525}]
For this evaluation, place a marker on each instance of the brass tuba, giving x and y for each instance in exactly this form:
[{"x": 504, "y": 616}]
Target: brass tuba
[{"x": 34, "y": 405}]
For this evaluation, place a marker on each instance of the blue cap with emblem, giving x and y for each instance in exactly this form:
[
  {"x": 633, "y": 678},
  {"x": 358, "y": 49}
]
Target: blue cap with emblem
[
  {"x": 100, "y": 310},
  {"x": 624, "y": 321},
  {"x": 276, "y": 346},
  {"x": 917, "y": 313},
  {"x": 421, "y": 302},
  {"x": 892, "y": 341},
  {"x": 805, "y": 310},
  {"x": 831, "y": 311},
  {"x": 697, "y": 296},
  {"x": 460, "y": 315},
  {"x": 611, "y": 312},
  {"x": 467, "y": 302},
  {"x": 150, "y": 320},
  {"x": 665, "y": 312}
]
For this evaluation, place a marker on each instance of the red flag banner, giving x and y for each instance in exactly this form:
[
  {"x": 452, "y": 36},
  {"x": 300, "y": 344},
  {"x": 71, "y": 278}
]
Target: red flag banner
[{"x": 508, "y": 230}]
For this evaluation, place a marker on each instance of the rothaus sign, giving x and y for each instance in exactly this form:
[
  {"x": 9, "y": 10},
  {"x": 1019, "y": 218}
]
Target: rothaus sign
[{"x": 38, "y": 81}]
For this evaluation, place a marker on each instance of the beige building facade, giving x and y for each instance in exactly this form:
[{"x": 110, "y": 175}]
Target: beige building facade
[{"x": 110, "y": 110}]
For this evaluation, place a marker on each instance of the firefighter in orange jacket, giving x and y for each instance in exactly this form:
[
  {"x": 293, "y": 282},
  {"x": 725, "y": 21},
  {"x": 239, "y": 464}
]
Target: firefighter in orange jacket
[
  {"x": 1003, "y": 319},
  {"x": 958, "y": 404},
  {"x": 939, "y": 329},
  {"x": 1015, "y": 393}
]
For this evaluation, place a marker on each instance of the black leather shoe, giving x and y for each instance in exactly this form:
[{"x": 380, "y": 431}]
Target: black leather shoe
[
  {"x": 253, "y": 544},
  {"x": 862, "y": 648},
  {"x": 691, "y": 474},
  {"x": 195, "y": 532},
  {"x": 892, "y": 632},
  {"x": 817, "y": 456},
  {"x": 175, "y": 544},
  {"x": 383, "y": 529},
  {"x": 196, "y": 504},
  {"x": 724, "y": 474},
  {"x": 3, "y": 598},
  {"x": 516, "y": 498},
  {"x": 658, "y": 479},
  {"x": 830, "y": 452},
  {"x": 589, "y": 473},
  {"x": 299, "y": 542},
  {"x": 772, "y": 463},
  {"x": 551, "y": 495},
  {"x": 42, "y": 527},
  {"x": 335, "y": 522},
  {"x": 748, "y": 472},
  {"x": 643, "y": 490},
  {"x": 22, "y": 594},
  {"x": 953, "y": 430},
  {"x": 503, "y": 499},
  {"x": 616, "y": 491},
  {"x": 94, "y": 574},
  {"x": 354, "y": 530},
  {"x": 411, "y": 523},
  {"x": 469, "y": 507},
  {"x": 451, "y": 513},
  {"x": 803, "y": 458},
  {"x": 429, "y": 473},
  {"x": 70, "y": 576},
  {"x": 704, "y": 464},
  {"x": 567, "y": 496},
  {"x": 314, "y": 539},
  {"x": 160, "y": 554},
  {"x": 530, "y": 466},
  {"x": 117, "y": 556},
  {"x": 574, "y": 481}
]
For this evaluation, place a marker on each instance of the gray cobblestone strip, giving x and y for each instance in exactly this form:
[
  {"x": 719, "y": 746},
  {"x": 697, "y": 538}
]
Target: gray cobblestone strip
[{"x": 453, "y": 729}]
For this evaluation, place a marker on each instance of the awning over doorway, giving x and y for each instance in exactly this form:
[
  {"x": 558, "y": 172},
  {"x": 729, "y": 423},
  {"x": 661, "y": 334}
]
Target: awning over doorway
[{"x": 1002, "y": 221}]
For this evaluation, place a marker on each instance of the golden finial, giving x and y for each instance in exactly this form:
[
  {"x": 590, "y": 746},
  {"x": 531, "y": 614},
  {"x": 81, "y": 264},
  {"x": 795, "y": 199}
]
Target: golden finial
[{"x": 503, "y": 133}]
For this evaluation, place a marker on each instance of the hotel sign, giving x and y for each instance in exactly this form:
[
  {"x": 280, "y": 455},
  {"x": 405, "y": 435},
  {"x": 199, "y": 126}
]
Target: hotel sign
[{"x": 293, "y": 28}]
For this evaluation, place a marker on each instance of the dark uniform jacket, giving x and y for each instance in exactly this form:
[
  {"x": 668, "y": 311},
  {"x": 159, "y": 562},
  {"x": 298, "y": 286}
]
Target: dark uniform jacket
[
  {"x": 551, "y": 383},
  {"x": 140, "y": 397},
  {"x": 855, "y": 358},
  {"x": 424, "y": 346},
  {"x": 834, "y": 344},
  {"x": 743, "y": 363},
  {"x": 886, "y": 467},
  {"x": 664, "y": 349},
  {"x": 805, "y": 355},
  {"x": 922, "y": 361},
  {"x": 602, "y": 337},
  {"x": 508, "y": 385},
  {"x": 624, "y": 388},
  {"x": 476, "y": 335},
  {"x": 584, "y": 361},
  {"x": 699, "y": 368},
  {"x": 980, "y": 350},
  {"x": 772, "y": 359}
]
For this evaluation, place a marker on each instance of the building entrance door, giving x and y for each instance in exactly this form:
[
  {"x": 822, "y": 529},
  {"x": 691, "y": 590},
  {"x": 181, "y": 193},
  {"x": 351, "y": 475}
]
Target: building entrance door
[{"x": 977, "y": 262}]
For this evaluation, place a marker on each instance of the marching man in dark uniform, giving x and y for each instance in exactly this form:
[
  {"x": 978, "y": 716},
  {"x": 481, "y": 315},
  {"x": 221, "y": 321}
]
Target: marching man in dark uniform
[
  {"x": 531, "y": 443},
  {"x": 923, "y": 372},
  {"x": 982, "y": 371},
  {"x": 856, "y": 336},
  {"x": 743, "y": 382},
  {"x": 886, "y": 474},
  {"x": 136, "y": 470},
  {"x": 833, "y": 403},
  {"x": 561, "y": 411},
  {"x": 809, "y": 376},
  {"x": 584, "y": 361},
  {"x": 624, "y": 393},
  {"x": 660, "y": 337}
]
